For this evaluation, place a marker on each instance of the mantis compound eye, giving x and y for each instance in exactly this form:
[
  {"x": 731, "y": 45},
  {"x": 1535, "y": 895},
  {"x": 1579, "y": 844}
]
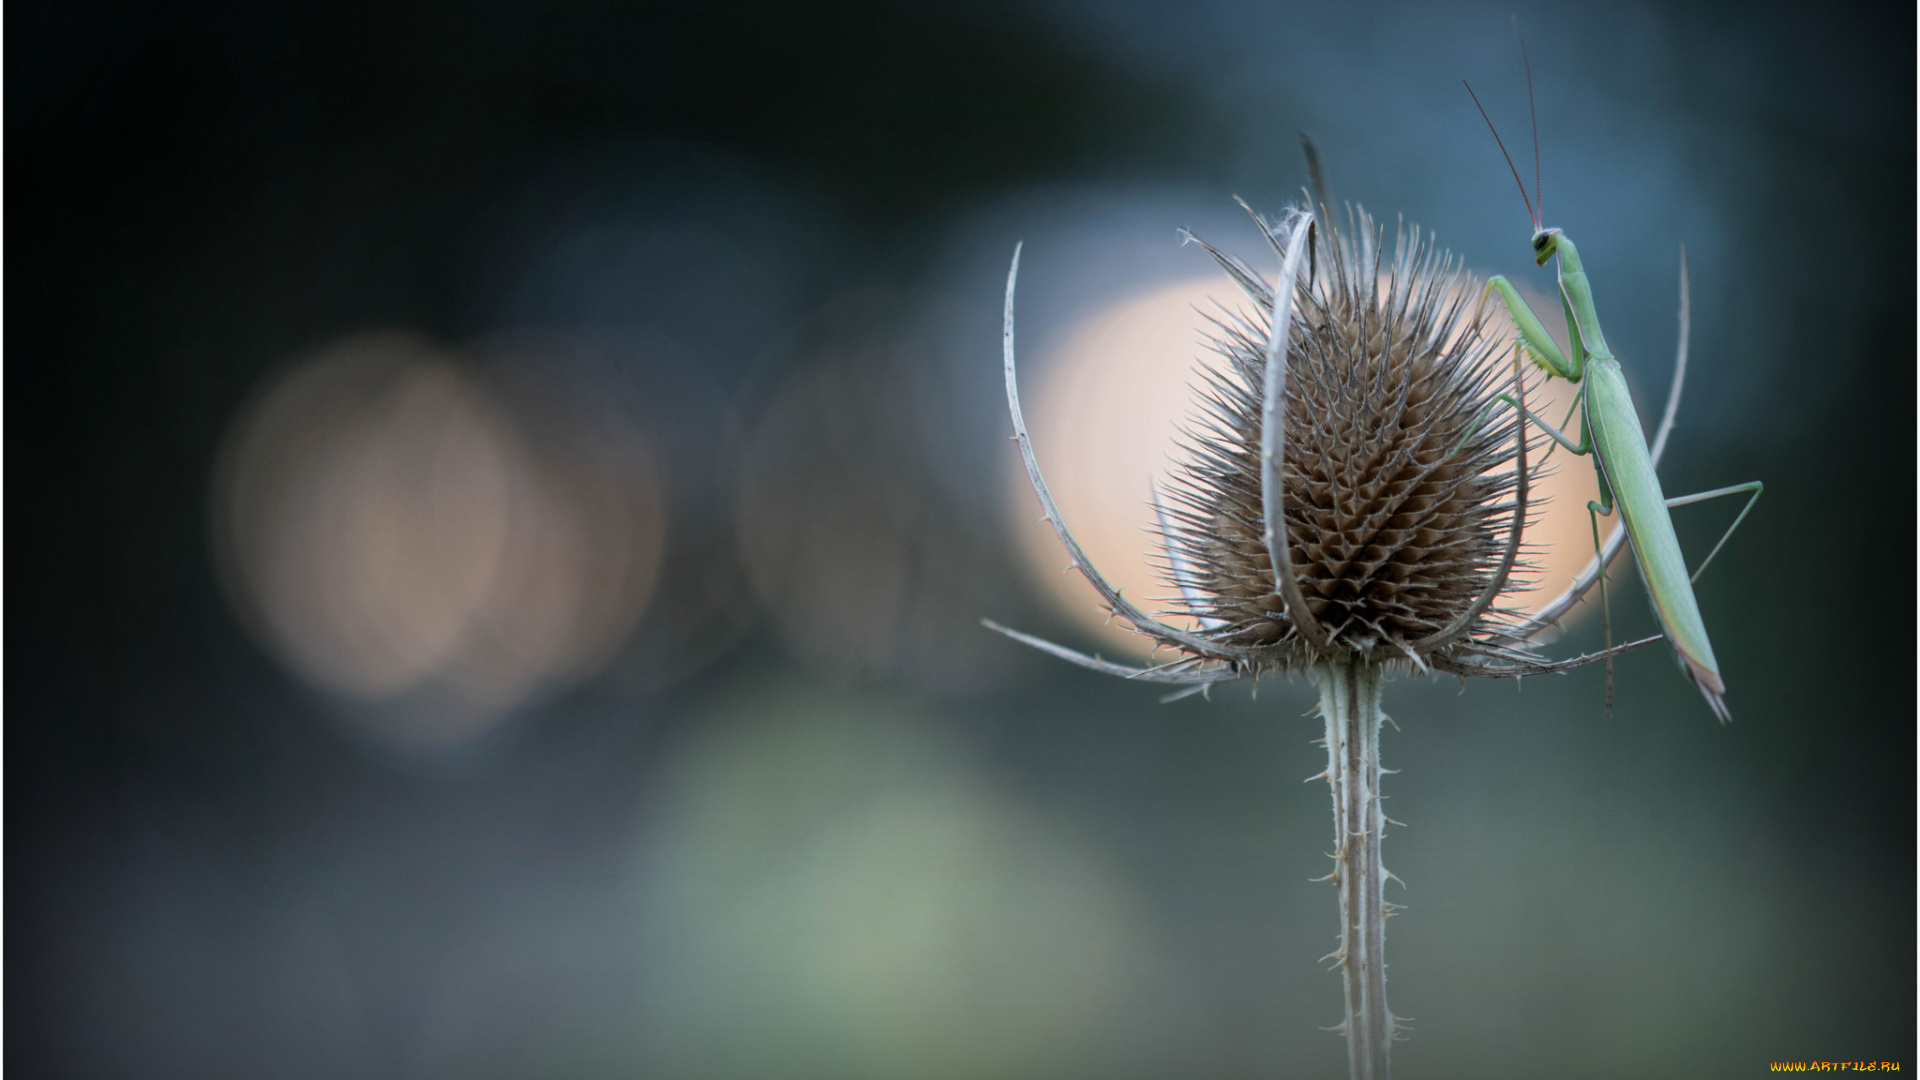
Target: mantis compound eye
[{"x": 1545, "y": 243}]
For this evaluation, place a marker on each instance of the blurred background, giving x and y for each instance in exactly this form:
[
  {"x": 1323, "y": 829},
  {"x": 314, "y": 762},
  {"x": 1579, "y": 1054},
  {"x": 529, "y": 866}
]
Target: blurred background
[{"x": 501, "y": 498}]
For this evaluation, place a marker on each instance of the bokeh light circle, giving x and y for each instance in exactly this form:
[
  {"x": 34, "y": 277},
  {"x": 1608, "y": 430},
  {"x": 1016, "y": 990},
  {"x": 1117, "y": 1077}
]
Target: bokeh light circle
[
  {"x": 401, "y": 528},
  {"x": 848, "y": 543}
]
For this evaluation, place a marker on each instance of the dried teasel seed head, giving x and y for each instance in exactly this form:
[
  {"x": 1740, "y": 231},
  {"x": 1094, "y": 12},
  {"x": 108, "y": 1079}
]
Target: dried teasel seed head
[
  {"x": 1374, "y": 435},
  {"x": 1400, "y": 486}
]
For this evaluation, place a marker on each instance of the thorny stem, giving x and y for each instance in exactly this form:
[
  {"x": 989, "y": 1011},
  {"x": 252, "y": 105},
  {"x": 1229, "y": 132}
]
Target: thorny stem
[{"x": 1350, "y": 702}]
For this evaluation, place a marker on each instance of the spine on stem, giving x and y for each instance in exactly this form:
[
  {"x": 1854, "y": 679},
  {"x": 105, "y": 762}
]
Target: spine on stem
[{"x": 1350, "y": 702}]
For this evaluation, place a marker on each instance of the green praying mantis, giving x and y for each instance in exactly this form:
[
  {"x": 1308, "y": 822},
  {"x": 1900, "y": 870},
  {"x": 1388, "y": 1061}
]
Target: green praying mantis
[{"x": 1610, "y": 433}]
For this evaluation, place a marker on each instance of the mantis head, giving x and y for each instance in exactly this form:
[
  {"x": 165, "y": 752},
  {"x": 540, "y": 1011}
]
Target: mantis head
[{"x": 1546, "y": 244}]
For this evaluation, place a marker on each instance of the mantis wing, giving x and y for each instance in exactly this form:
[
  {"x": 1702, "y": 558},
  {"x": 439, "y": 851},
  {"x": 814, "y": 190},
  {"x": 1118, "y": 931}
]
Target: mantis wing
[{"x": 1621, "y": 447}]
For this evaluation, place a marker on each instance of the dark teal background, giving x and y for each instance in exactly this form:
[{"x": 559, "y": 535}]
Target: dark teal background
[{"x": 207, "y": 876}]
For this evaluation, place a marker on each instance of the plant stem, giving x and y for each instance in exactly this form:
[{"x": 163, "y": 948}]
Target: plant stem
[{"x": 1350, "y": 701}]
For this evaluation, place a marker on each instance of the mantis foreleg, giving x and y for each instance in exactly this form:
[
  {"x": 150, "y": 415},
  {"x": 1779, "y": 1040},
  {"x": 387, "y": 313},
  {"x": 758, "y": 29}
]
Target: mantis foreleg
[
  {"x": 1582, "y": 448},
  {"x": 1533, "y": 335}
]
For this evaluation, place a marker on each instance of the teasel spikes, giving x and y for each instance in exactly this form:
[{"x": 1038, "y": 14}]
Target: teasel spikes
[
  {"x": 1352, "y": 501},
  {"x": 1404, "y": 492},
  {"x": 1398, "y": 488}
]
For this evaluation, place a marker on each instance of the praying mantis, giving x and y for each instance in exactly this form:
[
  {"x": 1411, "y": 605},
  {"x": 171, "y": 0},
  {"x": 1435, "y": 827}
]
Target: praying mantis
[{"x": 1610, "y": 433}]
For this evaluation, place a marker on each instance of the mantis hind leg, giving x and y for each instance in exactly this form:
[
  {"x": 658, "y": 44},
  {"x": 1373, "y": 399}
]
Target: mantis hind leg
[{"x": 1756, "y": 487}]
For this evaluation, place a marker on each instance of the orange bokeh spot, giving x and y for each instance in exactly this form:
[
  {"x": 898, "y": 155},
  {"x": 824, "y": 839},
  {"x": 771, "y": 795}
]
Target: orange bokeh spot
[{"x": 1105, "y": 404}]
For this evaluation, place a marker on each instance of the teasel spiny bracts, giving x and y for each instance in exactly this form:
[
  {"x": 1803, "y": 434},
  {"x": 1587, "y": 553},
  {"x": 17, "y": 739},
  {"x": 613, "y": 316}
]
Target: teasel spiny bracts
[
  {"x": 1405, "y": 495},
  {"x": 1357, "y": 407}
]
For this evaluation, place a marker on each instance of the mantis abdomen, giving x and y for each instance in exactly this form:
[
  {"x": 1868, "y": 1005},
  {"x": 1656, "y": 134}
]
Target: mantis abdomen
[{"x": 1628, "y": 472}]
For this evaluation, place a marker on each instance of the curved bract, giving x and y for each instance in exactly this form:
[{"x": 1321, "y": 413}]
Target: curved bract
[{"x": 1345, "y": 495}]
